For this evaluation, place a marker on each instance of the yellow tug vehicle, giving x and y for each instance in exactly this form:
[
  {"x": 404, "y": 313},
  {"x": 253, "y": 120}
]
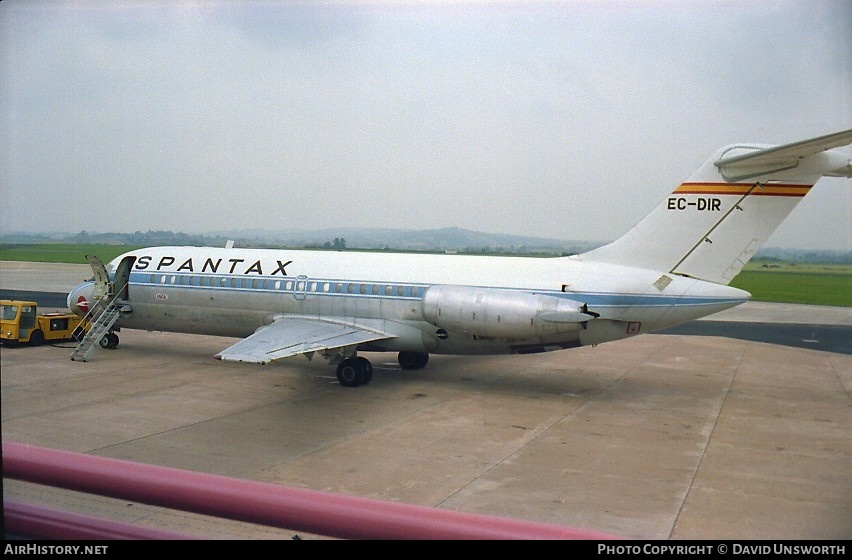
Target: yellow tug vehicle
[{"x": 20, "y": 322}]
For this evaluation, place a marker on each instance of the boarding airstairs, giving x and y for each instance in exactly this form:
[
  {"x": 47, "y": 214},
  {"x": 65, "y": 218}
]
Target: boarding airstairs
[
  {"x": 101, "y": 319},
  {"x": 110, "y": 302}
]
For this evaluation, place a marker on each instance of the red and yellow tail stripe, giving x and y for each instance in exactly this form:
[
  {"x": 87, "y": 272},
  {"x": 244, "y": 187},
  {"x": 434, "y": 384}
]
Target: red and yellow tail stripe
[{"x": 772, "y": 189}]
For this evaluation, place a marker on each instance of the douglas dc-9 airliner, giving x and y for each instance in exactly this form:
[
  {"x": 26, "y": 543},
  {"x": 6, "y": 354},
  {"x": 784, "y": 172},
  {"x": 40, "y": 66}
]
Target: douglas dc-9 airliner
[{"x": 672, "y": 267}]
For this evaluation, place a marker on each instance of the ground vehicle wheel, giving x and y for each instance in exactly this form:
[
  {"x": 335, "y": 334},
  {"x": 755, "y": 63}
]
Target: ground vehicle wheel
[
  {"x": 350, "y": 373},
  {"x": 413, "y": 360},
  {"x": 37, "y": 337}
]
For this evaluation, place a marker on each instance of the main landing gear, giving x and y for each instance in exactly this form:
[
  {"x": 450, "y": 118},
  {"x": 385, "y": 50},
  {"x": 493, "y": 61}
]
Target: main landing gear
[
  {"x": 413, "y": 360},
  {"x": 353, "y": 372}
]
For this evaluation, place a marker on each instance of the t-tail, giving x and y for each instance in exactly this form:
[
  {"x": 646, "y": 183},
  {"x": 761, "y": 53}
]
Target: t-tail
[{"x": 713, "y": 223}]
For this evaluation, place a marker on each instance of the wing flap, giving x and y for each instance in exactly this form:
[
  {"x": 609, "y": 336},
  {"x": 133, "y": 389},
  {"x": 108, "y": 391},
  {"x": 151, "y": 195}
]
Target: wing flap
[{"x": 290, "y": 336}]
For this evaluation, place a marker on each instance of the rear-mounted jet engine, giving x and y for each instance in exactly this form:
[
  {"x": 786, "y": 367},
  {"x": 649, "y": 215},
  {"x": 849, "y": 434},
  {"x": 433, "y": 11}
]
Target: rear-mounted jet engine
[{"x": 501, "y": 313}]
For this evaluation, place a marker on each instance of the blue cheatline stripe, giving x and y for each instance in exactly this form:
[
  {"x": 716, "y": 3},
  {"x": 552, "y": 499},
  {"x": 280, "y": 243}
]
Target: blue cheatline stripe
[
  {"x": 397, "y": 291},
  {"x": 594, "y": 299}
]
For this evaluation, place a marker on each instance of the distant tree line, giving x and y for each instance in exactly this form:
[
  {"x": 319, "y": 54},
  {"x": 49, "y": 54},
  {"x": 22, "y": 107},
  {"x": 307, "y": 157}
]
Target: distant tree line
[
  {"x": 339, "y": 244},
  {"x": 805, "y": 256},
  {"x": 166, "y": 237},
  {"x": 150, "y": 237}
]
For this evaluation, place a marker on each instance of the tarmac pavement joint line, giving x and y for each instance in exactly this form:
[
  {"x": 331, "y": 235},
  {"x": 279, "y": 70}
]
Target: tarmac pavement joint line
[{"x": 707, "y": 441}]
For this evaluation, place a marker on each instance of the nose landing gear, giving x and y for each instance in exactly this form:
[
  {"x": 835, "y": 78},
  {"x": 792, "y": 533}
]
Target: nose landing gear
[{"x": 109, "y": 341}]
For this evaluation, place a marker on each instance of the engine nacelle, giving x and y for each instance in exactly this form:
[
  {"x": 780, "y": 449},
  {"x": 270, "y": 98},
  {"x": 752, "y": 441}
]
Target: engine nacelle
[{"x": 500, "y": 313}]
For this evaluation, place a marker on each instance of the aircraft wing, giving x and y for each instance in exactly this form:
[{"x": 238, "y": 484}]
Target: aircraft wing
[{"x": 288, "y": 336}]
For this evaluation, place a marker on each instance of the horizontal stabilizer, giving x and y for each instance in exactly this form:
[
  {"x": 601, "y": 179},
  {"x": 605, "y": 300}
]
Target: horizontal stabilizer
[{"x": 743, "y": 162}]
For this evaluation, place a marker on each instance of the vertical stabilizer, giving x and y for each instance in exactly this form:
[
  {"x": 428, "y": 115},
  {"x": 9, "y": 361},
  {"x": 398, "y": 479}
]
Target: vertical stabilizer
[{"x": 713, "y": 223}]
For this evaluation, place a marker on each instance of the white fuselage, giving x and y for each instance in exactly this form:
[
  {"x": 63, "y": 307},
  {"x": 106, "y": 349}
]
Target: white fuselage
[{"x": 233, "y": 292}]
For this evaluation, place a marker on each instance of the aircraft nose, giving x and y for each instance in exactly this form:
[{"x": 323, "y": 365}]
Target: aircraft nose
[{"x": 80, "y": 297}]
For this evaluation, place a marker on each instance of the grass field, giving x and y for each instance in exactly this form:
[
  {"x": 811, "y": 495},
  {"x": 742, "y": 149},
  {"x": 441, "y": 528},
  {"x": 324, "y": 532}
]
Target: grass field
[
  {"x": 60, "y": 252},
  {"x": 783, "y": 282},
  {"x": 810, "y": 283}
]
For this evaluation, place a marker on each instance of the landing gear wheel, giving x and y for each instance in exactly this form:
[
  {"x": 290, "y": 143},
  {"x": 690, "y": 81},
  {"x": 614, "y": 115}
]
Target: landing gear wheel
[
  {"x": 109, "y": 340},
  {"x": 368, "y": 369},
  {"x": 413, "y": 360},
  {"x": 351, "y": 373}
]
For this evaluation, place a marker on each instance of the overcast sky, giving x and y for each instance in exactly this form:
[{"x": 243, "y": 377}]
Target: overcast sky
[{"x": 569, "y": 120}]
